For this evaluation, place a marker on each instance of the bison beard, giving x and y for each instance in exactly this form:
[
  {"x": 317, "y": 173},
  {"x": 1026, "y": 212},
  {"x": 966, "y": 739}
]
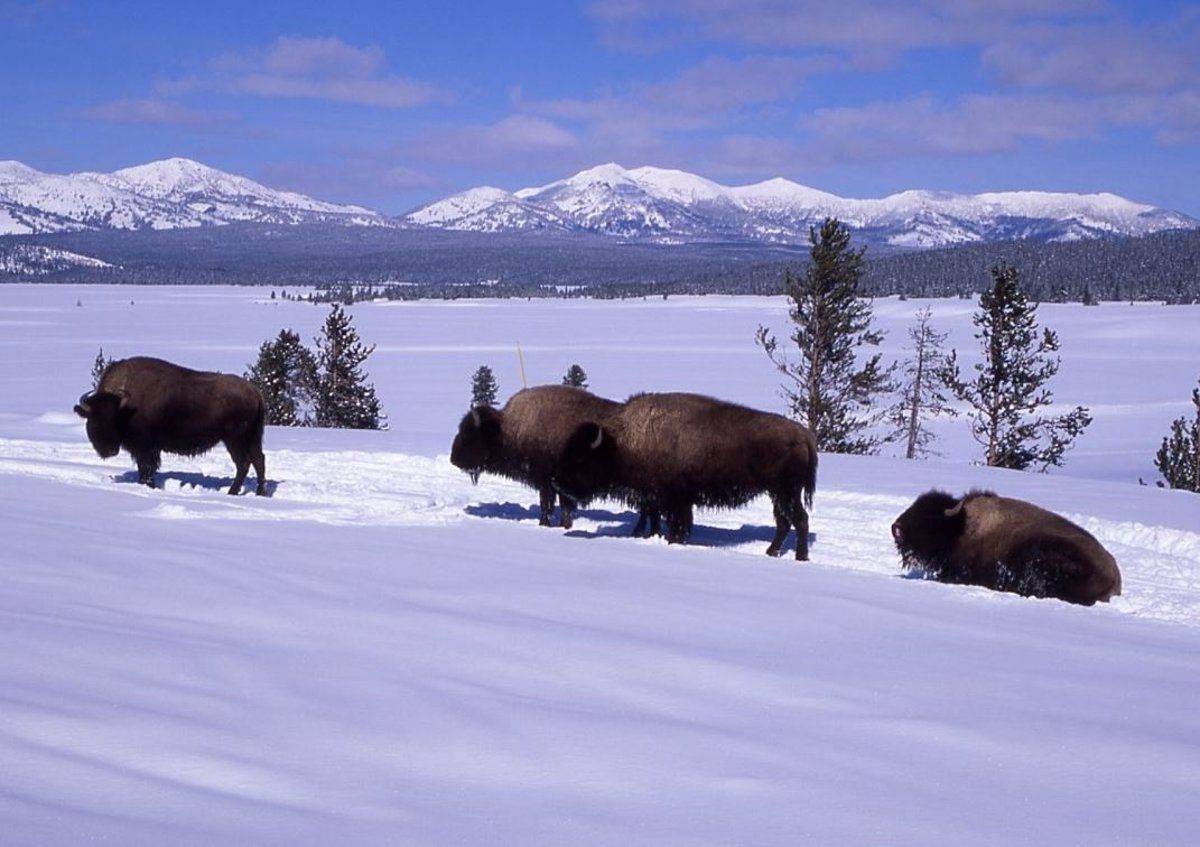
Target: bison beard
[
  {"x": 149, "y": 406},
  {"x": 1006, "y": 545}
]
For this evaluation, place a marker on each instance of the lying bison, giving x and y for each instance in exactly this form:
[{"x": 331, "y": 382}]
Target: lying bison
[
  {"x": 1006, "y": 545},
  {"x": 684, "y": 450},
  {"x": 147, "y": 406},
  {"x": 523, "y": 440}
]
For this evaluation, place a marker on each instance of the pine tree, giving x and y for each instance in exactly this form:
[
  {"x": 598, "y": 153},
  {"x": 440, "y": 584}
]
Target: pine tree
[
  {"x": 286, "y": 376},
  {"x": 575, "y": 376},
  {"x": 99, "y": 365},
  {"x": 922, "y": 392},
  {"x": 483, "y": 387},
  {"x": 825, "y": 388},
  {"x": 345, "y": 398},
  {"x": 1009, "y": 386},
  {"x": 1178, "y": 458}
]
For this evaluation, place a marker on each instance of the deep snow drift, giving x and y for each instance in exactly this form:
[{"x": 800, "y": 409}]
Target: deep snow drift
[{"x": 381, "y": 653}]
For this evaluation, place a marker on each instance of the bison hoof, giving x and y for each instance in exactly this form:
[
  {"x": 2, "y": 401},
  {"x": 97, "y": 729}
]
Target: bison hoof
[
  {"x": 773, "y": 551},
  {"x": 567, "y": 523}
]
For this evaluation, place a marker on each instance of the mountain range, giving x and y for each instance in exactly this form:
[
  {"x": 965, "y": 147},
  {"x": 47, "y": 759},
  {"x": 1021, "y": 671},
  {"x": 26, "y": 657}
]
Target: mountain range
[
  {"x": 647, "y": 204},
  {"x": 674, "y": 206}
]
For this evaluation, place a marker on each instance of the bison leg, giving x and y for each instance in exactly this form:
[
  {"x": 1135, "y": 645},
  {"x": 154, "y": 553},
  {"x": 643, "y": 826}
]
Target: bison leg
[
  {"x": 545, "y": 505},
  {"x": 782, "y": 526},
  {"x": 260, "y": 470},
  {"x": 679, "y": 523},
  {"x": 147, "y": 465},
  {"x": 649, "y": 522},
  {"x": 567, "y": 507},
  {"x": 789, "y": 512}
]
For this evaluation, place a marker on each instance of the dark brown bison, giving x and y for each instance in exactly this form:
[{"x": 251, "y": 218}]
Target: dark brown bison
[
  {"x": 683, "y": 450},
  {"x": 148, "y": 406},
  {"x": 523, "y": 440},
  {"x": 1006, "y": 545}
]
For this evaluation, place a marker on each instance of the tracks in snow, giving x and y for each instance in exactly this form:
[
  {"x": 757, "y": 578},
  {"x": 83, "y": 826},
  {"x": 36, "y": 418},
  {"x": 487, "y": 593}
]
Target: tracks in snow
[{"x": 1160, "y": 565}]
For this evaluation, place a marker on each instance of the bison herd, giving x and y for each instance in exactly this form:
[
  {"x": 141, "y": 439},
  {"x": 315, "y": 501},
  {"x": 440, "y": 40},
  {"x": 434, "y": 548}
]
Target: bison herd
[{"x": 662, "y": 453}]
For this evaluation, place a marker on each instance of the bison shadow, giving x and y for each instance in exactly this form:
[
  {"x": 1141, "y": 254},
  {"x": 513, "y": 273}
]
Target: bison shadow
[
  {"x": 516, "y": 512},
  {"x": 197, "y": 480},
  {"x": 621, "y": 524}
]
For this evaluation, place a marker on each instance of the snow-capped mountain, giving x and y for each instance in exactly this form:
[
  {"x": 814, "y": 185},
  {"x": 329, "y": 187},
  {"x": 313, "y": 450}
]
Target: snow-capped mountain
[
  {"x": 168, "y": 194},
  {"x": 670, "y": 205}
]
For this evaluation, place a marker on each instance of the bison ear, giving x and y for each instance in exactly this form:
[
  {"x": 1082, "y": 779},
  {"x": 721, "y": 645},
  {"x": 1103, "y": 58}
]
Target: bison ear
[{"x": 955, "y": 510}]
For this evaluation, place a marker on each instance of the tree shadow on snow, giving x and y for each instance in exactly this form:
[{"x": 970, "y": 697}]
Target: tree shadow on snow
[{"x": 197, "y": 480}]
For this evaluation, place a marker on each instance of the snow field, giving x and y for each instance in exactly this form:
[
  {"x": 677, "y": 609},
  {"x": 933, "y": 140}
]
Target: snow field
[{"x": 381, "y": 653}]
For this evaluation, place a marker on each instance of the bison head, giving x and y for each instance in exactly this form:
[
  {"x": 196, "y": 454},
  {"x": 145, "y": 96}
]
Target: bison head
[
  {"x": 588, "y": 462},
  {"x": 107, "y": 414},
  {"x": 477, "y": 445},
  {"x": 927, "y": 531}
]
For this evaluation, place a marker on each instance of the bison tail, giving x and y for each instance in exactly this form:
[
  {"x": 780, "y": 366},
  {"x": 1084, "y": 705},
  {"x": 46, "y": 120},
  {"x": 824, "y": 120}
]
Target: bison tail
[
  {"x": 259, "y": 424},
  {"x": 810, "y": 481}
]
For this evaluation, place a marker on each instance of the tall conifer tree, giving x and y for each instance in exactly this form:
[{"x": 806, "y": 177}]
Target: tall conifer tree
[
  {"x": 345, "y": 398},
  {"x": 286, "y": 376},
  {"x": 484, "y": 387},
  {"x": 1010, "y": 383},
  {"x": 828, "y": 388}
]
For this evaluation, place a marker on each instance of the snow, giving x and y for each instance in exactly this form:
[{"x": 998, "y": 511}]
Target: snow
[
  {"x": 660, "y": 202},
  {"x": 166, "y": 194},
  {"x": 380, "y": 653}
]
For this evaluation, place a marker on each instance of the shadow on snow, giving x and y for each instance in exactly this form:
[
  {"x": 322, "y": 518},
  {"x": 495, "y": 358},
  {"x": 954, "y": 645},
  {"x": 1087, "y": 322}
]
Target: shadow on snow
[
  {"x": 621, "y": 524},
  {"x": 197, "y": 480}
]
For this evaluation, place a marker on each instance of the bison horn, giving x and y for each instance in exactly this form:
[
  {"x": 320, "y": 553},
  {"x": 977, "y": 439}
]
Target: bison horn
[
  {"x": 475, "y": 417},
  {"x": 599, "y": 438},
  {"x": 83, "y": 403},
  {"x": 953, "y": 512}
]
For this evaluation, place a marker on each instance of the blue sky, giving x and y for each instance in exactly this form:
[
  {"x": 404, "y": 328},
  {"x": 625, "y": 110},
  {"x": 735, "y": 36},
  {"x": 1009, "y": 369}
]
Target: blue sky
[{"x": 393, "y": 104}]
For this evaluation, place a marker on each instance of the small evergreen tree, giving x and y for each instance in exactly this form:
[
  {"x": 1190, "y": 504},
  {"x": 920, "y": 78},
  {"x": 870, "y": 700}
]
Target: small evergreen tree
[
  {"x": 922, "y": 392},
  {"x": 99, "y": 366},
  {"x": 483, "y": 387},
  {"x": 1178, "y": 458},
  {"x": 575, "y": 376},
  {"x": 345, "y": 398},
  {"x": 826, "y": 389},
  {"x": 1009, "y": 386},
  {"x": 286, "y": 376}
]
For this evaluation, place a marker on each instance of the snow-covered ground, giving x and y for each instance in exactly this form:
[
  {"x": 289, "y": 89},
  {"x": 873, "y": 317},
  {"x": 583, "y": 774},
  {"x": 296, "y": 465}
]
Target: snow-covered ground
[{"x": 381, "y": 653}]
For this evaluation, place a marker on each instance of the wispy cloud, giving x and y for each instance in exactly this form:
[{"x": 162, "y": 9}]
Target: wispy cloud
[
  {"x": 155, "y": 112},
  {"x": 315, "y": 68}
]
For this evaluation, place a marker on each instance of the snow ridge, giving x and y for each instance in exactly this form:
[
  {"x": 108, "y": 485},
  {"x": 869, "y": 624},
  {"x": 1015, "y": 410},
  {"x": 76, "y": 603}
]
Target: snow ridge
[
  {"x": 670, "y": 205},
  {"x": 167, "y": 194}
]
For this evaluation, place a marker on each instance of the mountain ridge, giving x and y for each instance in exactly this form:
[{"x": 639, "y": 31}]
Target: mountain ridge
[{"x": 665, "y": 205}]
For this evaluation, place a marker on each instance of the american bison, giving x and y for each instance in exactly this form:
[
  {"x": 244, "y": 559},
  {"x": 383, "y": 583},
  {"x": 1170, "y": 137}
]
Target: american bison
[
  {"x": 148, "y": 406},
  {"x": 524, "y": 440},
  {"x": 1005, "y": 545},
  {"x": 684, "y": 450}
]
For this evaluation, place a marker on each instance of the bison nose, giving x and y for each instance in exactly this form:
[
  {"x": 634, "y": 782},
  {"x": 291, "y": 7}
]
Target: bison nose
[{"x": 897, "y": 533}]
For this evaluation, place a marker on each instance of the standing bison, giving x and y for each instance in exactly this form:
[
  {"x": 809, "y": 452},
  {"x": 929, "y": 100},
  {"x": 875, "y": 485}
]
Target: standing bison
[
  {"x": 148, "y": 406},
  {"x": 1005, "y": 545},
  {"x": 523, "y": 440},
  {"x": 684, "y": 450}
]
